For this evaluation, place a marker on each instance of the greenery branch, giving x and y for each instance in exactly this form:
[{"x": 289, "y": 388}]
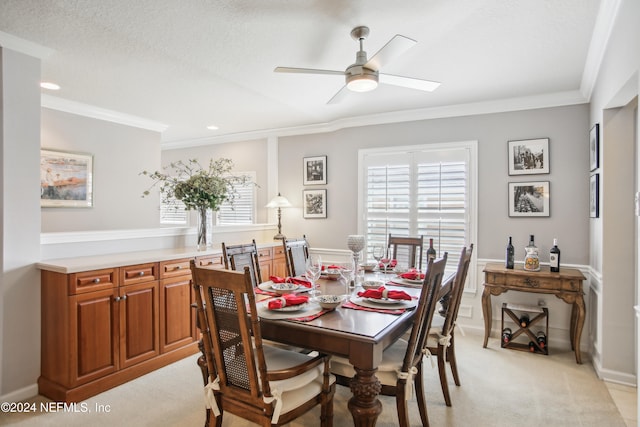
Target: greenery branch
[{"x": 196, "y": 187}]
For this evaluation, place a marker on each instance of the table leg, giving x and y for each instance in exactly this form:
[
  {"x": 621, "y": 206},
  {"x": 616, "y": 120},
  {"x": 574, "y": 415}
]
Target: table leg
[
  {"x": 579, "y": 304},
  {"x": 486, "y": 313},
  {"x": 364, "y": 405}
]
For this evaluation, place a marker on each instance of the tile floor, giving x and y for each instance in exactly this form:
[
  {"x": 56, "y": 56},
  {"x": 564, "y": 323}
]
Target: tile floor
[{"x": 625, "y": 398}]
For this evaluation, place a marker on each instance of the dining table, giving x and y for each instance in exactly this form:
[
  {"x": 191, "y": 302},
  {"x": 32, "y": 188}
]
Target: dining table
[{"x": 353, "y": 332}]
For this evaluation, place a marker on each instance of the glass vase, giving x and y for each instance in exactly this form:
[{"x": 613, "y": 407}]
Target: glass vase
[{"x": 204, "y": 229}]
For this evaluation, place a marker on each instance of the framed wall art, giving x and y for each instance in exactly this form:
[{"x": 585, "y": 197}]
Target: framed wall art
[
  {"x": 594, "y": 198},
  {"x": 66, "y": 179},
  {"x": 594, "y": 147},
  {"x": 315, "y": 170},
  {"x": 528, "y": 156},
  {"x": 529, "y": 199},
  {"x": 314, "y": 203}
]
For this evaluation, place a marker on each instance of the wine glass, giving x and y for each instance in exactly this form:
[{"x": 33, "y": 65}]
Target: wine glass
[
  {"x": 313, "y": 269},
  {"x": 378, "y": 253},
  {"x": 346, "y": 271},
  {"x": 386, "y": 260}
]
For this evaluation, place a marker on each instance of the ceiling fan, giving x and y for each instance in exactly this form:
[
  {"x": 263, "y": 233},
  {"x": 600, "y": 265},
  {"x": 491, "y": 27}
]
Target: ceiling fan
[{"x": 364, "y": 75}]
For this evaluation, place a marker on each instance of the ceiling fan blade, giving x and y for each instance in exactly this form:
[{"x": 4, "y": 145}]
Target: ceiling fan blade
[
  {"x": 390, "y": 51},
  {"x": 339, "y": 96},
  {"x": 426, "y": 85},
  {"x": 306, "y": 71}
]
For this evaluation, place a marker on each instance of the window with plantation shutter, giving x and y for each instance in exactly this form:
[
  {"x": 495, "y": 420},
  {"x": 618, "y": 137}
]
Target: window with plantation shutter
[
  {"x": 173, "y": 212},
  {"x": 425, "y": 190},
  {"x": 243, "y": 209}
]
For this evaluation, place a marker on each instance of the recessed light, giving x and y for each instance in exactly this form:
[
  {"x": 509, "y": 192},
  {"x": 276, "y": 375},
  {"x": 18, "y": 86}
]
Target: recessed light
[
  {"x": 49, "y": 85},
  {"x": 212, "y": 127}
]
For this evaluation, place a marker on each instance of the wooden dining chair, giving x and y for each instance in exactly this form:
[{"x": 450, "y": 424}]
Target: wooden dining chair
[
  {"x": 407, "y": 247},
  {"x": 441, "y": 340},
  {"x": 266, "y": 385},
  {"x": 237, "y": 257},
  {"x": 296, "y": 254},
  {"x": 401, "y": 365}
]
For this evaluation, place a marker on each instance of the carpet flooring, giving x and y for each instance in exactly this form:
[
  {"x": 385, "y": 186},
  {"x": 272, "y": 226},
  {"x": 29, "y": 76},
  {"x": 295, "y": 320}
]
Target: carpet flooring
[{"x": 500, "y": 387}]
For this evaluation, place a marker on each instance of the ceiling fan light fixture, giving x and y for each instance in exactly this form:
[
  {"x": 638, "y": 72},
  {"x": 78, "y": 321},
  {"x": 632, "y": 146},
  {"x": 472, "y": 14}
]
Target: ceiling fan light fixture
[{"x": 362, "y": 82}]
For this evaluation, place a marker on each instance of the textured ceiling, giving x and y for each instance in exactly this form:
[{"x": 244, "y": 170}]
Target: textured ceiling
[{"x": 189, "y": 64}]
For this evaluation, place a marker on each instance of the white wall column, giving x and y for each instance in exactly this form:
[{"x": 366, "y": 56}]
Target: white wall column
[{"x": 20, "y": 225}]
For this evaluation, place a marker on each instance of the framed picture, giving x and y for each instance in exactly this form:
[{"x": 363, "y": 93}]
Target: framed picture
[
  {"x": 314, "y": 203},
  {"x": 594, "y": 147},
  {"x": 594, "y": 200},
  {"x": 315, "y": 170},
  {"x": 66, "y": 179},
  {"x": 529, "y": 198},
  {"x": 528, "y": 156}
]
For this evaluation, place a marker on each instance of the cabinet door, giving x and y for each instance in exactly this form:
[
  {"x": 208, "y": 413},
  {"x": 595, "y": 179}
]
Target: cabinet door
[
  {"x": 139, "y": 323},
  {"x": 265, "y": 261},
  {"x": 93, "y": 325},
  {"x": 177, "y": 317}
]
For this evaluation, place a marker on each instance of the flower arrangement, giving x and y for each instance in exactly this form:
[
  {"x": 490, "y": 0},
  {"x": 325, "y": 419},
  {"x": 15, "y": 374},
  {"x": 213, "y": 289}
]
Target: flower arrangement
[{"x": 198, "y": 188}]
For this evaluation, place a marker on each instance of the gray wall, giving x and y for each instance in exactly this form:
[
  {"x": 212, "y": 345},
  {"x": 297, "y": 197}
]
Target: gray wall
[
  {"x": 120, "y": 153},
  {"x": 566, "y": 127}
]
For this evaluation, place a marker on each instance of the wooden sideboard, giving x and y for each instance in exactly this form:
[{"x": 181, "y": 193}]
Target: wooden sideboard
[
  {"x": 566, "y": 285},
  {"x": 107, "y": 320}
]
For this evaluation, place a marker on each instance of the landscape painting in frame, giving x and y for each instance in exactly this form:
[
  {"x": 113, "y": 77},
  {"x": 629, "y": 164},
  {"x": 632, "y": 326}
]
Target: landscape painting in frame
[
  {"x": 529, "y": 199},
  {"x": 529, "y": 156},
  {"x": 65, "y": 179}
]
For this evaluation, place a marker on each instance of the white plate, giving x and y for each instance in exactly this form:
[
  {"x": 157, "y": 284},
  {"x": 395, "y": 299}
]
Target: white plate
[
  {"x": 383, "y": 301},
  {"x": 288, "y": 308},
  {"x": 412, "y": 281},
  {"x": 365, "y": 302}
]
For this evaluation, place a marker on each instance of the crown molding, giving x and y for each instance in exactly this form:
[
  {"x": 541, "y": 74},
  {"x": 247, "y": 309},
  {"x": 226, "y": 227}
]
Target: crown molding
[
  {"x": 17, "y": 44},
  {"x": 74, "y": 107},
  {"x": 486, "y": 107},
  {"x": 605, "y": 22}
]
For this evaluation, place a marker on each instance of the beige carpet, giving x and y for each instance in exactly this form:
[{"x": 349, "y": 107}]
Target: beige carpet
[{"x": 500, "y": 387}]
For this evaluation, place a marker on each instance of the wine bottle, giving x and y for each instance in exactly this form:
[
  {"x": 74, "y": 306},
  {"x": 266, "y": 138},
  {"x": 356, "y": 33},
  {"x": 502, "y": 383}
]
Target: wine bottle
[
  {"x": 510, "y": 252},
  {"x": 524, "y": 320},
  {"x": 431, "y": 252},
  {"x": 506, "y": 335},
  {"x": 541, "y": 337},
  {"x": 531, "y": 259},
  {"x": 532, "y": 346},
  {"x": 554, "y": 257}
]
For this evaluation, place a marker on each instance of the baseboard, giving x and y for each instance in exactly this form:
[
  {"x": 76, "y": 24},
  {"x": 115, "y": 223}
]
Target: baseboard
[{"x": 21, "y": 394}]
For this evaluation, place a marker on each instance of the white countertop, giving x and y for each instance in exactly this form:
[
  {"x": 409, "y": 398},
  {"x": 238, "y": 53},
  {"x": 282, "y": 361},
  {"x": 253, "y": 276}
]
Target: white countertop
[{"x": 97, "y": 262}]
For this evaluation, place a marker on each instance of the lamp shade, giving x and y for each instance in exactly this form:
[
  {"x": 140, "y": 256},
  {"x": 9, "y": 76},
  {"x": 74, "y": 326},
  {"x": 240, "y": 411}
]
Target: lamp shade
[{"x": 278, "y": 202}]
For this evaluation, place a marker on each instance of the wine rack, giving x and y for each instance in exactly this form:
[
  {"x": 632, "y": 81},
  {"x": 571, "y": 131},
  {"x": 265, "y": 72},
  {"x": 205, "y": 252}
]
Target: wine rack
[{"x": 519, "y": 333}]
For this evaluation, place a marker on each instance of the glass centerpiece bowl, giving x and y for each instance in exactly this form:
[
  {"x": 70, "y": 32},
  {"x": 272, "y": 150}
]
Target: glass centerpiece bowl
[{"x": 197, "y": 188}]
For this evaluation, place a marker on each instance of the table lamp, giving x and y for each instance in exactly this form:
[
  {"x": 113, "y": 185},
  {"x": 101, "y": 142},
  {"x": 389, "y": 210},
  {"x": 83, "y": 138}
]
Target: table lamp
[{"x": 279, "y": 202}]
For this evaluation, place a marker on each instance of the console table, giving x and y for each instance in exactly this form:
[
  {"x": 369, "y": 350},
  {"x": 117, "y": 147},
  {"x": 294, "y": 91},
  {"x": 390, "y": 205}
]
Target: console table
[{"x": 566, "y": 285}]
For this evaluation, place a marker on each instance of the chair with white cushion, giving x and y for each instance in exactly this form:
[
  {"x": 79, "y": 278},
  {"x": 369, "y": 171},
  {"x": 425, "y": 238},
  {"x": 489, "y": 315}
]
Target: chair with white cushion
[
  {"x": 262, "y": 384},
  {"x": 441, "y": 338},
  {"x": 401, "y": 365}
]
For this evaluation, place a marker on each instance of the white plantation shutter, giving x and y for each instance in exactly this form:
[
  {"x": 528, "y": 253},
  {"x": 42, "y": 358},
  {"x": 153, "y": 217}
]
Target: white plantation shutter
[
  {"x": 243, "y": 210},
  {"x": 418, "y": 191},
  {"x": 173, "y": 213}
]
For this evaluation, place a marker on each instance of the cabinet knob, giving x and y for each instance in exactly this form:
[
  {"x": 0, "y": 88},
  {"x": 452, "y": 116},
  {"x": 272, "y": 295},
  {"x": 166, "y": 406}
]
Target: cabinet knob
[
  {"x": 141, "y": 274},
  {"x": 116, "y": 299},
  {"x": 178, "y": 267},
  {"x": 96, "y": 280},
  {"x": 124, "y": 297}
]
